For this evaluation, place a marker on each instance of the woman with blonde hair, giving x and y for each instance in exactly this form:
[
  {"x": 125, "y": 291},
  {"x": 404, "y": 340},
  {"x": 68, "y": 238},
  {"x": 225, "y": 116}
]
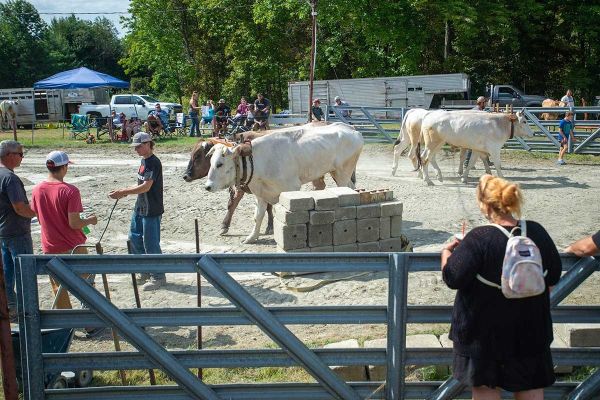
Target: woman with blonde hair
[
  {"x": 193, "y": 112},
  {"x": 499, "y": 343}
]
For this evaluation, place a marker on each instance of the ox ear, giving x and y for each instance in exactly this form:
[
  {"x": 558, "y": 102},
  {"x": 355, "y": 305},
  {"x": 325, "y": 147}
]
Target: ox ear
[{"x": 244, "y": 150}]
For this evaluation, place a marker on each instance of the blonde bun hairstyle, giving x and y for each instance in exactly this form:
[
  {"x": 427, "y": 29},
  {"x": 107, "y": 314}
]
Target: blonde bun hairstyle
[{"x": 500, "y": 195}]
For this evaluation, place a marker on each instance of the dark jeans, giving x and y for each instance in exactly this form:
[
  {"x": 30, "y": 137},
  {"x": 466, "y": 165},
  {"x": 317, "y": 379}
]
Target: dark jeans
[
  {"x": 144, "y": 234},
  {"x": 11, "y": 248},
  {"x": 195, "y": 126}
]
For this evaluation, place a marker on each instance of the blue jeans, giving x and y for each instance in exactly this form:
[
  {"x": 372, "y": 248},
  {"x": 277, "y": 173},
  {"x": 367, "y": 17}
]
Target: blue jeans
[
  {"x": 144, "y": 234},
  {"x": 11, "y": 248},
  {"x": 195, "y": 126}
]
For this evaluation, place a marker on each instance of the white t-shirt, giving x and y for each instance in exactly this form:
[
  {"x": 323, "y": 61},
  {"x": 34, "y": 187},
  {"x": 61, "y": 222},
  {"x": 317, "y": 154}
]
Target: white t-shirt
[{"x": 568, "y": 100}]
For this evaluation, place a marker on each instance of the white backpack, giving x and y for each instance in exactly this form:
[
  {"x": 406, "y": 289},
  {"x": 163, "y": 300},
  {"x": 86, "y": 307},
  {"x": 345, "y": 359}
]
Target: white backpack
[{"x": 522, "y": 271}]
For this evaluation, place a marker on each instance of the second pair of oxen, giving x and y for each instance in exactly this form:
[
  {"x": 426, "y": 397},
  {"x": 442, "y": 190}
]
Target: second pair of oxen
[
  {"x": 484, "y": 133},
  {"x": 284, "y": 160}
]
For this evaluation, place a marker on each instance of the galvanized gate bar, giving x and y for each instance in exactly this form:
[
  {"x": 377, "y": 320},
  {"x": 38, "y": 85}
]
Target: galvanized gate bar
[
  {"x": 573, "y": 278},
  {"x": 450, "y": 389},
  {"x": 275, "y": 329},
  {"x": 134, "y": 334},
  {"x": 396, "y": 337},
  {"x": 545, "y": 131},
  {"x": 376, "y": 124},
  {"x": 587, "y": 389},
  {"x": 587, "y": 141},
  {"x": 30, "y": 334}
]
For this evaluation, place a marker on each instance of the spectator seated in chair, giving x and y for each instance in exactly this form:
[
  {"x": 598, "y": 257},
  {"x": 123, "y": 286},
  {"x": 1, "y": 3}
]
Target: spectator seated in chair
[
  {"x": 222, "y": 112},
  {"x": 133, "y": 126},
  {"x": 158, "y": 121}
]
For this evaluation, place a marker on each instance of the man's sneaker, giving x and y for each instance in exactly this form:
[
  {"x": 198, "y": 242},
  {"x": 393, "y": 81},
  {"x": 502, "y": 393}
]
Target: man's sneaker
[
  {"x": 153, "y": 284},
  {"x": 142, "y": 278},
  {"x": 561, "y": 162}
]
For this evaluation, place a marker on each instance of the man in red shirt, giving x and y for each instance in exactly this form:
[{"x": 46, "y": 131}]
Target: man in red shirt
[{"x": 58, "y": 206}]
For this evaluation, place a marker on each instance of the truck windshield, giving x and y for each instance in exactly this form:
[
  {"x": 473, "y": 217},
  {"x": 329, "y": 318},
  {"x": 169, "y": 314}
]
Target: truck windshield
[{"x": 149, "y": 99}]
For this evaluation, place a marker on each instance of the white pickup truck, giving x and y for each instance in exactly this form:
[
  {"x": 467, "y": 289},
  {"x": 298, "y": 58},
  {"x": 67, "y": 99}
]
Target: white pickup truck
[{"x": 132, "y": 105}]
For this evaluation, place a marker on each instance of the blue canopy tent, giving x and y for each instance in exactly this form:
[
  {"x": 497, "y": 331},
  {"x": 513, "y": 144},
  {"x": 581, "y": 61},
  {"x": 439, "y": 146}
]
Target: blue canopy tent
[{"x": 81, "y": 78}]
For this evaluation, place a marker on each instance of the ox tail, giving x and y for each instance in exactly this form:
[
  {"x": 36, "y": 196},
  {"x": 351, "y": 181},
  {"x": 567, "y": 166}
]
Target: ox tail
[{"x": 418, "y": 154}]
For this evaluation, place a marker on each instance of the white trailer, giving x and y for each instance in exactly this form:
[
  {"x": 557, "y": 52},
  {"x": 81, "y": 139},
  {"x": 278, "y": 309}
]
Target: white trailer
[
  {"x": 43, "y": 105},
  {"x": 397, "y": 91}
]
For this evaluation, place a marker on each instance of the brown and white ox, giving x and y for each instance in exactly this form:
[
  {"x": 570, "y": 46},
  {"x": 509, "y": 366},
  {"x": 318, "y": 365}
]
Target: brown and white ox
[
  {"x": 483, "y": 132},
  {"x": 410, "y": 134},
  {"x": 8, "y": 114},
  {"x": 283, "y": 161}
]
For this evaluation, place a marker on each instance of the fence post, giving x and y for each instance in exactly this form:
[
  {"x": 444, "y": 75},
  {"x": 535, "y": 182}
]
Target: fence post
[
  {"x": 30, "y": 334},
  {"x": 7, "y": 356},
  {"x": 396, "y": 329}
]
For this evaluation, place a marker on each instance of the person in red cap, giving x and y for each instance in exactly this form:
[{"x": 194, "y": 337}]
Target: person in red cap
[
  {"x": 316, "y": 110},
  {"x": 58, "y": 207}
]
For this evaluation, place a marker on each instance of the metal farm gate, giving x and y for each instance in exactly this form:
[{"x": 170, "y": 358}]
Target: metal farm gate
[{"x": 273, "y": 321}]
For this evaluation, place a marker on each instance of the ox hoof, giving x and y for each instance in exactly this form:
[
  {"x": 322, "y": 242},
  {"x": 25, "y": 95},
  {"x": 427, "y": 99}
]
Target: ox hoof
[
  {"x": 250, "y": 240},
  {"x": 420, "y": 174},
  {"x": 464, "y": 180},
  {"x": 394, "y": 172},
  {"x": 269, "y": 231},
  {"x": 429, "y": 183},
  {"x": 224, "y": 231}
]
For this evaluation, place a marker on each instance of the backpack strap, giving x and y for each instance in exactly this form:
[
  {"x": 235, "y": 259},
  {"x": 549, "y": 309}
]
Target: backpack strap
[
  {"x": 522, "y": 226},
  {"x": 503, "y": 229},
  {"x": 489, "y": 283}
]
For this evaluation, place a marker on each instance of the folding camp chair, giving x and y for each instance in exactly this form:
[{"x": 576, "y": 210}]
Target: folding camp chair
[
  {"x": 180, "y": 124},
  {"x": 80, "y": 126}
]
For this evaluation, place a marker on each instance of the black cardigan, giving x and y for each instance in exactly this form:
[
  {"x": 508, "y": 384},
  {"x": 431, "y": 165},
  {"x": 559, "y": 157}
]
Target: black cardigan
[{"x": 485, "y": 323}]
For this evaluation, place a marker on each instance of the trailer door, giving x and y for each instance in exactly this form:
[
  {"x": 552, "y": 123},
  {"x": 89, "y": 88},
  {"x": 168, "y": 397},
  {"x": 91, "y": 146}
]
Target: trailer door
[{"x": 395, "y": 93}]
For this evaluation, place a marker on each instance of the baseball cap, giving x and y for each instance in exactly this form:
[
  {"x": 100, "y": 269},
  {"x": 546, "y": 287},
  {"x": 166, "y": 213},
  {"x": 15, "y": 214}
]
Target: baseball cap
[
  {"x": 139, "y": 138},
  {"x": 57, "y": 159},
  {"x": 481, "y": 99},
  {"x": 317, "y": 100},
  {"x": 336, "y": 98},
  {"x": 222, "y": 101}
]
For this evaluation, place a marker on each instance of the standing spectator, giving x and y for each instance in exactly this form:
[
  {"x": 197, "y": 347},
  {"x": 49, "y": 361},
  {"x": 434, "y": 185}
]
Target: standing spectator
[
  {"x": 222, "y": 113},
  {"x": 262, "y": 111},
  {"x": 499, "y": 342},
  {"x": 193, "y": 112},
  {"x": 588, "y": 246},
  {"x": 15, "y": 217},
  {"x": 316, "y": 110},
  {"x": 144, "y": 232},
  {"x": 565, "y": 131},
  {"x": 567, "y": 99},
  {"x": 339, "y": 102},
  {"x": 58, "y": 206},
  {"x": 208, "y": 113}
]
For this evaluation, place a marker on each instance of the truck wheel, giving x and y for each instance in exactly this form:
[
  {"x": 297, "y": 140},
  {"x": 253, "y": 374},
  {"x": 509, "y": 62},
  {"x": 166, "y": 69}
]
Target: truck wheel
[{"x": 84, "y": 377}]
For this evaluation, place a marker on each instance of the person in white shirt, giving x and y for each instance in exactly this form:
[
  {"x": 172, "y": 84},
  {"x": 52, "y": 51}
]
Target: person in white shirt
[{"x": 568, "y": 99}]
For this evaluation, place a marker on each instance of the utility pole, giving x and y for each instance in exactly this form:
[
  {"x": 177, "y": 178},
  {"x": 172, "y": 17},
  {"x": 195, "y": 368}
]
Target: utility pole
[{"x": 313, "y": 56}]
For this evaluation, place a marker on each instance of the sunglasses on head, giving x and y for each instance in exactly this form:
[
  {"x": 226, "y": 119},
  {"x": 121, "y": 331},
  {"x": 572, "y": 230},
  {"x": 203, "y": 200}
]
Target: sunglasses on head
[{"x": 20, "y": 153}]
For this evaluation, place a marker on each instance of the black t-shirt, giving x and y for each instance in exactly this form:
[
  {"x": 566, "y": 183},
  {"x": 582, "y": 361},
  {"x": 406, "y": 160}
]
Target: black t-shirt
[
  {"x": 596, "y": 239},
  {"x": 485, "y": 324},
  {"x": 12, "y": 191},
  {"x": 260, "y": 105},
  {"x": 222, "y": 110},
  {"x": 150, "y": 204}
]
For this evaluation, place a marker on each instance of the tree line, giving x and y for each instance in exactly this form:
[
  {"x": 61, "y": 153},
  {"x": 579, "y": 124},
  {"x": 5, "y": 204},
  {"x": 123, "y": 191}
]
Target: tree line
[{"x": 227, "y": 48}]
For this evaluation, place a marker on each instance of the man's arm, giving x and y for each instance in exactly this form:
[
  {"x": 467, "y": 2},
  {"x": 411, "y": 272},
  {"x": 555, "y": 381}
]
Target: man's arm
[
  {"x": 23, "y": 209},
  {"x": 583, "y": 247},
  {"x": 138, "y": 189},
  {"x": 76, "y": 222}
]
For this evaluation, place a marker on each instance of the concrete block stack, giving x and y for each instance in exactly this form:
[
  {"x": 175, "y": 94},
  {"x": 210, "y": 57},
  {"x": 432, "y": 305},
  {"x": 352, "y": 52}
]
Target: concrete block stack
[{"x": 338, "y": 219}]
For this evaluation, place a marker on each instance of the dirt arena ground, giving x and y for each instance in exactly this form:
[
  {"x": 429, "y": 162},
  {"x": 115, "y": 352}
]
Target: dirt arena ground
[{"x": 565, "y": 199}]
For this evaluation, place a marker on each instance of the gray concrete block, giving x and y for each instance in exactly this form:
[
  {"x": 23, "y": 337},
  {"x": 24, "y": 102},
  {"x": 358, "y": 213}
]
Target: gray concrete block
[
  {"x": 344, "y": 232},
  {"x": 297, "y": 201},
  {"x": 325, "y": 200},
  {"x": 390, "y": 208},
  {"x": 368, "y": 211},
  {"x": 322, "y": 249},
  {"x": 369, "y": 247},
  {"x": 321, "y": 217},
  {"x": 343, "y": 213},
  {"x": 367, "y": 230},
  {"x": 445, "y": 341},
  {"x": 290, "y": 217},
  {"x": 559, "y": 343},
  {"x": 303, "y": 250},
  {"x": 320, "y": 235},
  {"x": 579, "y": 335},
  {"x": 390, "y": 245},
  {"x": 389, "y": 195},
  {"x": 290, "y": 237},
  {"x": 349, "y": 373},
  {"x": 346, "y": 196},
  {"x": 376, "y": 372},
  {"x": 385, "y": 227},
  {"x": 396, "y": 226},
  {"x": 346, "y": 248}
]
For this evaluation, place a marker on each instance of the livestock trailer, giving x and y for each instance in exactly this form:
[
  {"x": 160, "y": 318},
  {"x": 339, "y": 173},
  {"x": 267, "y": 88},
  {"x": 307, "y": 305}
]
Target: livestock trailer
[
  {"x": 43, "y": 105},
  {"x": 424, "y": 91}
]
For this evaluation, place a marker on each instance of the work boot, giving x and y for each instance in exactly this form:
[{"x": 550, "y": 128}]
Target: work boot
[
  {"x": 153, "y": 284},
  {"x": 142, "y": 278}
]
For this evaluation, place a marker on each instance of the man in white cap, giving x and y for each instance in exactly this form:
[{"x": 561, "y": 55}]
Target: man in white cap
[
  {"x": 339, "y": 102},
  {"x": 58, "y": 207},
  {"x": 15, "y": 217},
  {"x": 144, "y": 232},
  {"x": 480, "y": 104}
]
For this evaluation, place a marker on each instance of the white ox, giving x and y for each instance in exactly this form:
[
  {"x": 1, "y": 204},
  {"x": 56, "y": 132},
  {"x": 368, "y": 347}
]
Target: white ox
[
  {"x": 410, "y": 133},
  {"x": 283, "y": 161},
  {"x": 8, "y": 114},
  {"x": 482, "y": 132}
]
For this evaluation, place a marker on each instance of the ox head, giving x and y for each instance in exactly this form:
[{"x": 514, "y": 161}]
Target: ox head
[
  {"x": 522, "y": 128},
  {"x": 199, "y": 163},
  {"x": 221, "y": 174}
]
